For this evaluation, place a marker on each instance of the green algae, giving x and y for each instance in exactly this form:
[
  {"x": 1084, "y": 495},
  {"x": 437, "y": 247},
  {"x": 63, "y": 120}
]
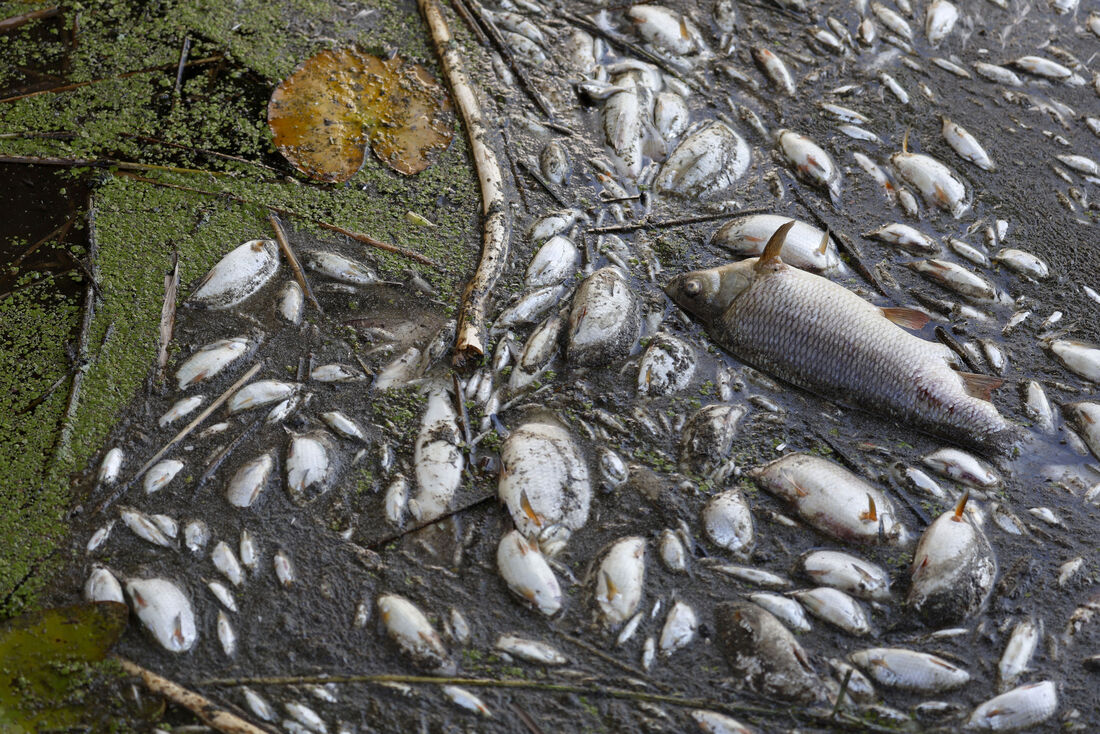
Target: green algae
[{"x": 139, "y": 225}]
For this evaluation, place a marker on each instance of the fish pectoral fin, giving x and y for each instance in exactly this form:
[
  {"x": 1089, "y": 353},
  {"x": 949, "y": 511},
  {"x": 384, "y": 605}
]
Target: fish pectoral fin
[
  {"x": 824, "y": 243},
  {"x": 980, "y": 386},
  {"x": 910, "y": 318},
  {"x": 770, "y": 256}
]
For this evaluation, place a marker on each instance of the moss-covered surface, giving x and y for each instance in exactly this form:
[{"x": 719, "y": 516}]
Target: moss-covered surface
[{"x": 220, "y": 107}]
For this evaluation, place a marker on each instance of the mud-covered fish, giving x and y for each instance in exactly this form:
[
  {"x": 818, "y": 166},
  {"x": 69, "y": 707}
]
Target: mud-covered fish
[{"x": 822, "y": 337}]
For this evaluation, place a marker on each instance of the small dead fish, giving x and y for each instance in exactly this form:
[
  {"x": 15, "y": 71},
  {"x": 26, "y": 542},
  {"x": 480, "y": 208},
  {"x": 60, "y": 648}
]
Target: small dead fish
[
  {"x": 954, "y": 277},
  {"x": 1045, "y": 68},
  {"x": 706, "y": 162},
  {"x": 604, "y": 321},
  {"x": 1023, "y": 263},
  {"x": 1080, "y": 358},
  {"x": 196, "y": 535},
  {"x": 940, "y": 20},
  {"x": 238, "y": 275},
  {"x": 530, "y": 307},
  {"x": 810, "y": 162},
  {"x": 728, "y": 522},
  {"x": 938, "y": 184},
  {"x": 291, "y": 302},
  {"x": 962, "y": 467},
  {"x": 832, "y": 499},
  {"x": 532, "y": 651},
  {"x": 848, "y": 573},
  {"x": 111, "y": 467},
  {"x": 414, "y": 635},
  {"x": 249, "y": 480},
  {"x": 258, "y": 705},
  {"x": 180, "y": 409},
  {"x": 712, "y": 722},
  {"x": 210, "y": 360},
  {"x": 396, "y": 500},
  {"x": 260, "y": 393},
  {"x": 707, "y": 437},
  {"x": 463, "y": 698},
  {"x": 836, "y": 608},
  {"x": 1020, "y": 708},
  {"x": 953, "y": 568},
  {"x": 339, "y": 268},
  {"x": 666, "y": 367},
  {"x": 103, "y": 586},
  {"x": 227, "y": 636},
  {"x": 226, "y": 562},
  {"x": 555, "y": 261},
  {"x": 620, "y": 580},
  {"x": 786, "y": 610},
  {"x": 222, "y": 594},
  {"x": 998, "y": 74},
  {"x": 909, "y": 670},
  {"x": 284, "y": 569},
  {"x": 165, "y": 611},
  {"x": 746, "y": 237},
  {"x": 774, "y": 68},
  {"x": 335, "y": 373},
  {"x": 892, "y": 20},
  {"x": 762, "y": 652},
  {"x": 671, "y": 115},
  {"x": 554, "y": 163},
  {"x": 524, "y": 568},
  {"x": 679, "y": 629},
  {"x": 308, "y": 467},
  {"x": 966, "y": 145},
  {"x": 145, "y": 528},
  {"x": 160, "y": 475},
  {"x": 1086, "y": 417},
  {"x": 99, "y": 537},
  {"x": 1018, "y": 651},
  {"x": 907, "y": 238},
  {"x": 672, "y": 551},
  {"x": 664, "y": 28},
  {"x": 1080, "y": 163}
]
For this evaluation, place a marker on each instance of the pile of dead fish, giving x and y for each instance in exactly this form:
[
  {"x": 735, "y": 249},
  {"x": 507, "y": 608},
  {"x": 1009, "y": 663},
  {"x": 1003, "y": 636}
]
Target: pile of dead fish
[{"x": 645, "y": 89}]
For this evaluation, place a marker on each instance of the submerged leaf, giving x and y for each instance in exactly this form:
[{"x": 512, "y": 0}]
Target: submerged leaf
[
  {"x": 340, "y": 100},
  {"x": 41, "y": 663}
]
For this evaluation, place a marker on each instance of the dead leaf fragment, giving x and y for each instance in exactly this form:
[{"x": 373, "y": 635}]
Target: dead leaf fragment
[{"x": 338, "y": 101}]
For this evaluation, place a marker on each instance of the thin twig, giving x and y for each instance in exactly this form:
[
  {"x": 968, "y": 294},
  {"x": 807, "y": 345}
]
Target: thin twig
[
  {"x": 843, "y": 690},
  {"x": 538, "y": 177},
  {"x": 358, "y": 236},
  {"x": 511, "y": 155},
  {"x": 168, "y": 313},
  {"x": 502, "y": 47},
  {"x": 211, "y": 714},
  {"x": 10, "y": 24},
  {"x": 462, "y": 10},
  {"x": 78, "y": 85},
  {"x": 375, "y": 545},
  {"x": 218, "y": 460},
  {"x": 121, "y": 490},
  {"x": 637, "y": 672},
  {"x": 179, "y": 70},
  {"x": 295, "y": 266},
  {"x": 31, "y": 160},
  {"x": 57, "y": 234},
  {"x": 49, "y": 391},
  {"x": 65, "y": 435},
  {"x": 953, "y": 344},
  {"x": 670, "y": 223},
  {"x": 472, "y": 331}
]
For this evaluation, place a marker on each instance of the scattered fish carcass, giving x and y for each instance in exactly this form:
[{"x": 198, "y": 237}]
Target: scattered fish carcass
[{"x": 593, "y": 361}]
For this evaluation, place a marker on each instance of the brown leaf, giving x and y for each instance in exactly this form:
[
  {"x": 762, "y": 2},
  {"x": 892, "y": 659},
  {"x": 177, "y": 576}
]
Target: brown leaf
[{"x": 339, "y": 100}]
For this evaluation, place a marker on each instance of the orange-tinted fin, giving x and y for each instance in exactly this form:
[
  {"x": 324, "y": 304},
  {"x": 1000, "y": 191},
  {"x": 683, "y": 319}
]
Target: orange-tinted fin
[
  {"x": 910, "y": 318},
  {"x": 525, "y": 505},
  {"x": 824, "y": 243},
  {"x": 980, "y": 386},
  {"x": 612, "y": 590},
  {"x": 961, "y": 507},
  {"x": 684, "y": 33},
  {"x": 770, "y": 256},
  {"x": 905, "y": 142},
  {"x": 871, "y": 515}
]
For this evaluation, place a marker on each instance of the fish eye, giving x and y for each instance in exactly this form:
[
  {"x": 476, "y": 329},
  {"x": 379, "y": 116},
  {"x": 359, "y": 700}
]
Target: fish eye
[{"x": 693, "y": 287}]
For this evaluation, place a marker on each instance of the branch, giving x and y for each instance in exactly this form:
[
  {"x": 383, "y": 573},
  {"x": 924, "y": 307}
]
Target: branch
[{"x": 472, "y": 332}]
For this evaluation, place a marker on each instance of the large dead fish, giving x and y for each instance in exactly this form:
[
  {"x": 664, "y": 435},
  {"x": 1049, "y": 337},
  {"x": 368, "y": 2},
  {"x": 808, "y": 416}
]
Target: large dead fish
[{"x": 822, "y": 337}]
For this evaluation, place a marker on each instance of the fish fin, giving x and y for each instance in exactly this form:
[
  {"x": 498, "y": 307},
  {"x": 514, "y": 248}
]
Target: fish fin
[
  {"x": 684, "y": 33},
  {"x": 770, "y": 256},
  {"x": 960, "y": 508},
  {"x": 980, "y": 386},
  {"x": 871, "y": 514},
  {"x": 905, "y": 142},
  {"x": 824, "y": 243},
  {"x": 612, "y": 590},
  {"x": 525, "y": 505},
  {"x": 910, "y": 318}
]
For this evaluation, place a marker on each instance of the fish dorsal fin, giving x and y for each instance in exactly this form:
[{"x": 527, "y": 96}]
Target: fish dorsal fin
[
  {"x": 871, "y": 514},
  {"x": 960, "y": 508},
  {"x": 824, "y": 244},
  {"x": 910, "y": 318},
  {"x": 905, "y": 142},
  {"x": 770, "y": 256},
  {"x": 980, "y": 386}
]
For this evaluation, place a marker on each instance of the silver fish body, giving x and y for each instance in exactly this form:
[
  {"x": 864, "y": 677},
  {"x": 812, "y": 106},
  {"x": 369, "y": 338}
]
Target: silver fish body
[
  {"x": 953, "y": 569},
  {"x": 746, "y": 236},
  {"x": 822, "y": 337},
  {"x": 242, "y": 272}
]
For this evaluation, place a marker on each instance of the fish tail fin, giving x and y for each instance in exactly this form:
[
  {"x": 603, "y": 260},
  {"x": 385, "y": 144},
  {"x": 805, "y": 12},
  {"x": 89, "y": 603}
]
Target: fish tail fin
[
  {"x": 910, "y": 318},
  {"x": 980, "y": 386}
]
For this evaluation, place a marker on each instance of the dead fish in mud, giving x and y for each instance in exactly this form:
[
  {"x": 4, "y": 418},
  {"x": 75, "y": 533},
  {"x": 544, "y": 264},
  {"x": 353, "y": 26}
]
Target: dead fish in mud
[
  {"x": 706, "y": 162},
  {"x": 1086, "y": 416},
  {"x": 953, "y": 568},
  {"x": 848, "y": 573},
  {"x": 728, "y": 522},
  {"x": 820, "y": 336},
  {"x": 604, "y": 321},
  {"x": 909, "y": 670},
  {"x": 238, "y": 275},
  {"x": 666, "y": 367},
  {"x": 165, "y": 611},
  {"x": 708, "y": 436},
  {"x": 524, "y": 568},
  {"x": 437, "y": 459},
  {"x": 805, "y": 247},
  {"x": 938, "y": 184},
  {"x": 620, "y": 580},
  {"x": 832, "y": 499},
  {"x": 811, "y": 162},
  {"x": 1018, "y": 709},
  {"x": 544, "y": 482},
  {"x": 765, "y": 654},
  {"x": 414, "y": 634},
  {"x": 209, "y": 360}
]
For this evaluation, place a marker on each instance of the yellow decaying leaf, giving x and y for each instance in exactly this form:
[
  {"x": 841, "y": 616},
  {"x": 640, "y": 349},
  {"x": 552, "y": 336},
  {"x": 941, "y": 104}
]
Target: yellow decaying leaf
[{"x": 340, "y": 100}]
